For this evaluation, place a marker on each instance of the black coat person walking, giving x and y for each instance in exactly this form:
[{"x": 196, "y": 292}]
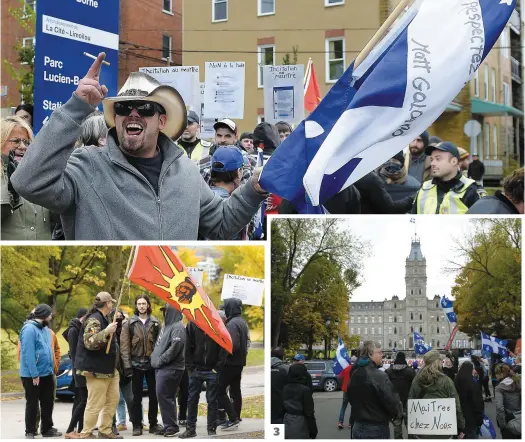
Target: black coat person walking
[
  {"x": 279, "y": 378},
  {"x": 168, "y": 360},
  {"x": 232, "y": 373},
  {"x": 298, "y": 403},
  {"x": 470, "y": 399}
]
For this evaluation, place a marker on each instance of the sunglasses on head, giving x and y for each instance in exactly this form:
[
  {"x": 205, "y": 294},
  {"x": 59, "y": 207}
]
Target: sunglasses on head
[{"x": 144, "y": 108}]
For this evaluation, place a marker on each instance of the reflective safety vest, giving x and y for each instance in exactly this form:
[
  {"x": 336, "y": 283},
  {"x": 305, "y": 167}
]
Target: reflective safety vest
[
  {"x": 427, "y": 198},
  {"x": 200, "y": 151}
]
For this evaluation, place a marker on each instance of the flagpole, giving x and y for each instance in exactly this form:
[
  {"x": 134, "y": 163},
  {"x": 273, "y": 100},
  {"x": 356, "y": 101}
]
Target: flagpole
[
  {"x": 130, "y": 259},
  {"x": 381, "y": 32}
]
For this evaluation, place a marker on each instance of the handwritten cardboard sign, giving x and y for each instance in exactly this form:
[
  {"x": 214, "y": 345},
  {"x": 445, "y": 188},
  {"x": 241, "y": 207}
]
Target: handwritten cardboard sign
[
  {"x": 432, "y": 416},
  {"x": 248, "y": 290}
]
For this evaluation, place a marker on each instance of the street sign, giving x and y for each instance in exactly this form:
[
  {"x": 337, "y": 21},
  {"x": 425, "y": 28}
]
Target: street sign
[
  {"x": 472, "y": 128},
  {"x": 64, "y": 31}
]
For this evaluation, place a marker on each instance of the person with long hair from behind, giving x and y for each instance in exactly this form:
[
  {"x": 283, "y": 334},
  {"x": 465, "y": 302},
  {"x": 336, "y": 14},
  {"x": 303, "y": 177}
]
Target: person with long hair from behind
[
  {"x": 508, "y": 402},
  {"x": 471, "y": 400}
]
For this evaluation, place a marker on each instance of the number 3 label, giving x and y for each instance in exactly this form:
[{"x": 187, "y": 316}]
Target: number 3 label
[{"x": 277, "y": 432}]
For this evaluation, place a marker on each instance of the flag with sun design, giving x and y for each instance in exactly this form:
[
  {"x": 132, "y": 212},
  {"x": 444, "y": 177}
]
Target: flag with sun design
[{"x": 159, "y": 270}]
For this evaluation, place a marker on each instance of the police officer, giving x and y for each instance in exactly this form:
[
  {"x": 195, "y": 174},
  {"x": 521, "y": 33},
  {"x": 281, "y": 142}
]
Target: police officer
[
  {"x": 195, "y": 148},
  {"x": 448, "y": 192},
  {"x": 99, "y": 368}
]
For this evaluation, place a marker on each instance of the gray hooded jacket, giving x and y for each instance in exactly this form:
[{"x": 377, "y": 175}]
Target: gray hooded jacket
[
  {"x": 101, "y": 196},
  {"x": 169, "y": 350}
]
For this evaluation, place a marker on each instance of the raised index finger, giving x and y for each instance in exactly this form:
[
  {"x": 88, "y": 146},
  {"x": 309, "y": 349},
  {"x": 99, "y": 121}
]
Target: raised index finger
[{"x": 94, "y": 70}]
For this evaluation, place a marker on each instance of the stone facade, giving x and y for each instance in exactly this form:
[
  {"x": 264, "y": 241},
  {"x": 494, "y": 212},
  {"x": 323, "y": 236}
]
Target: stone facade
[{"x": 392, "y": 323}]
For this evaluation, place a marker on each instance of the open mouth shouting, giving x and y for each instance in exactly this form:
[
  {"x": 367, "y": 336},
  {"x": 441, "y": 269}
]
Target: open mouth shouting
[{"x": 134, "y": 129}]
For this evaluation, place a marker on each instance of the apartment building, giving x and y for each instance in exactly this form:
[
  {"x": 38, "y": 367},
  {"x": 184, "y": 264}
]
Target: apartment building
[{"x": 150, "y": 35}]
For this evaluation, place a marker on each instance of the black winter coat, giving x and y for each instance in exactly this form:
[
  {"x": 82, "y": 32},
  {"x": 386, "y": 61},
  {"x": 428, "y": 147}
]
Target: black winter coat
[
  {"x": 348, "y": 201},
  {"x": 298, "y": 403},
  {"x": 472, "y": 404},
  {"x": 73, "y": 331},
  {"x": 401, "y": 376},
  {"x": 238, "y": 329},
  {"x": 372, "y": 395},
  {"x": 278, "y": 381},
  {"x": 201, "y": 351},
  {"x": 498, "y": 204}
]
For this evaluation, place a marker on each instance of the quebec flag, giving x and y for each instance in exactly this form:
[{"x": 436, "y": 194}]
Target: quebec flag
[
  {"x": 342, "y": 359},
  {"x": 494, "y": 345},
  {"x": 378, "y": 108},
  {"x": 420, "y": 346},
  {"x": 487, "y": 430},
  {"x": 448, "y": 309}
]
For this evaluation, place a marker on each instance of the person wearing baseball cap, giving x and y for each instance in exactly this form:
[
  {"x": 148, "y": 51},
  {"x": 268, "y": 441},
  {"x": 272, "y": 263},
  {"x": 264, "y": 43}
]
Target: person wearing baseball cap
[
  {"x": 300, "y": 359},
  {"x": 225, "y": 132},
  {"x": 99, "y": 368},
  {"x": 195, "y": 148},
  {"x": 448, "y": 192}
]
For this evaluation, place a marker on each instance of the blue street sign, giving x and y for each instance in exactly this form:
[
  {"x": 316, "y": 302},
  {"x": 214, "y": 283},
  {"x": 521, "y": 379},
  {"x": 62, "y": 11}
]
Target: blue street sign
[{"x": 66, "y": 29}]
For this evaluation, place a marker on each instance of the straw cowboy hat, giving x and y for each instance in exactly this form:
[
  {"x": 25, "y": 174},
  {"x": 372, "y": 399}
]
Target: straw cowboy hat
[{"x": 141, "y": 86}]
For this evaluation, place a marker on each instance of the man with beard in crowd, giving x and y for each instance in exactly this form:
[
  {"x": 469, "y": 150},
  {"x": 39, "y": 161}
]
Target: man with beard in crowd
[
  {"x": 204, "y": 359},
  {"x": 36, "y": 372},
  {"x": 230, "y": 375},
  {"x": 417, "y": 162},
  {"x": 372, "y": 396},
  {"x": 99, "y": 368},
  {"x": 138, "y": 339},
  {"x": 195, "y": 148},
  {"x": 140, "y": 185},
  {"x": 168, "y": 361},
  {"x": 401, "y": 376},
  {"x": 448, "y": 192}
]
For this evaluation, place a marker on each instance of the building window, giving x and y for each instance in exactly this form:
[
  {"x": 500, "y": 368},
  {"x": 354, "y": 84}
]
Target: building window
[
  {"x": 166, "y": 47},
  {"x": 373, "y": 319},
  {"x": 395, "y": 319},
  {"x": 437, "y": 318},
  {"x": 411, "y": 291},
  {"x": 219, "y": 10},
  {"x": 378, "y": 330},
  {"x": 29, "y": 6},
  {"x": 389, "y": 344},
  {"x": 351, "y": 319},
  {"x": 389, "y": 330},
  {"x": 379, "y": 319},
  {"x": 395, "y": 330},
  {"x": 26, "y": 43},
  {"x": 389, "y": 318},
  {"x": 506, "y": 94},
  {"x": 352, "y": 330},
  {"x": 486, "y": 81},
  {"x": 366, "y": 319},
  {"x": 411, "y": 329},
  {"x": 505, "y": 45},
  {"x": 486, "y": 136},
  {"x": 476, "y": 83},
  {"x": 411, "y": 315},
  {"x": 358, "y": 330},
  {"x": 266, "y": 7},
  {"x": 395, "y": 344},
  {"x": 359, "y": 319},
  {"x": 334, "y": 2},
  {"x": 493, "y": 84},
  {"x": 420, "y": 329},
  {"x": 366, "y": 331},
  {"x": 166, "y": 6},
  {"x": 266, "y": 57},
  {"x": 438, "y": 344},
  {"x": 335, "y": 59},
  {"x": 420, "y": 316},
  {"x": 495, "y": 141},
  {"x": 437, "y": 330},
  {"x": 372, "y": 331},
  {"x": 395, "y": 305},
  {"x": 420, "y": 291}
]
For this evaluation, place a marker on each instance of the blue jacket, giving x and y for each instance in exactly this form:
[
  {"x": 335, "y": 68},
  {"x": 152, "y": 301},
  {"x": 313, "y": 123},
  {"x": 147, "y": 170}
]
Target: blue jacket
[{"x": 36, "y": 354}]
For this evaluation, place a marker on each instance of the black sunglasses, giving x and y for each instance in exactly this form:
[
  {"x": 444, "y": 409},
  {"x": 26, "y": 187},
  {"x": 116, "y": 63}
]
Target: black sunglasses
[{"x": 144, "y": 108}]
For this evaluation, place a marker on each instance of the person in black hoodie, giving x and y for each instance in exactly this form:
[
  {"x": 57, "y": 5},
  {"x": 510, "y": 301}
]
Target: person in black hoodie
[
  {"x": 298, "y": 404},
  {"x": 168, "y": 360},
  {"x": 278, "y": 381},
  {"x": 401, "y": 376},
  {"x": 80, "y": 389},
  {"x": 231, "y": 375},
  {"x": 205, "y": 359},
  {"x": 471, "y": 400}
]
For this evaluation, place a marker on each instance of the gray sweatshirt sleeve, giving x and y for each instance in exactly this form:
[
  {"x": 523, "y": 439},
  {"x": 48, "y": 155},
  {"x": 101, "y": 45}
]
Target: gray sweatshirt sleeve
[
  {"x": 49, "y": 175},
  {"x": 224, "y": 218}
]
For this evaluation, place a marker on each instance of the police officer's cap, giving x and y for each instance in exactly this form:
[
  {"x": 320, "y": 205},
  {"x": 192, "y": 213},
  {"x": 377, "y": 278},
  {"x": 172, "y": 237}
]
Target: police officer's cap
[{"x": 444, "y": 147}]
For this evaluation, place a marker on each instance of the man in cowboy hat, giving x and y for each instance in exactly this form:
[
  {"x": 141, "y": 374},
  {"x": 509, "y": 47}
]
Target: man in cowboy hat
[{"x": 140, "y": 185}]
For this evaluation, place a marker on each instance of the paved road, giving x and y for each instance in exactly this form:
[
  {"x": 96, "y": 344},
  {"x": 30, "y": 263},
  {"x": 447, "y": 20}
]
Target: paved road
[
  {"x": 13, "y": 407},
  {"x": 327, "y": 406}
]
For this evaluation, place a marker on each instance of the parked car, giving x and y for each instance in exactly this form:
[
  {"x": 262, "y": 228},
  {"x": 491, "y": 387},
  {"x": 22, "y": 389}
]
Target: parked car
[
  {"x": 323, "y": 376},
  {"x": 65, "y": 385}
]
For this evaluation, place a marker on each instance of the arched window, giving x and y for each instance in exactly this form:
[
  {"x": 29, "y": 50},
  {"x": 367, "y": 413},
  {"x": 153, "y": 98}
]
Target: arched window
[
  {"x": 437, "y": 318},
  {"x": 395, "y": 319},
  {"x": 395, "y": 330},
  {"x": 420, "y": 329},
  {"x": 420, "y": 316},
  {"x": 411, "y": 315},
  {"x": 437, "y": 330}
]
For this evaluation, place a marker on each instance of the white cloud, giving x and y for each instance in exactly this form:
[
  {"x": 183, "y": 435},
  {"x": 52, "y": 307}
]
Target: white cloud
[{"x": 390, "y": 239}]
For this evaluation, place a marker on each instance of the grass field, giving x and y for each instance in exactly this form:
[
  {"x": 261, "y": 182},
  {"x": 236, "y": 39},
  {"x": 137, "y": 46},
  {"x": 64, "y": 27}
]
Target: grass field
[
  {"x": 252, "y": 407},
  {"x": 255, "y": 357}
]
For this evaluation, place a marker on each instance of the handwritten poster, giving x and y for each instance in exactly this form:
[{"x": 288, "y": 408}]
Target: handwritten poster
[
  {"x": 283, "y": 93},
  {"x": 224, "y": 89},
  {"x": 248, "y": 290},
  {"x": 432, "y": 416}
]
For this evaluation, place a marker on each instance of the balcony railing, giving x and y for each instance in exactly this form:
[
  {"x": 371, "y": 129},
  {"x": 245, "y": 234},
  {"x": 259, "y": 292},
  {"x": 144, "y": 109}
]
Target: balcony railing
[
  {"x": 515, "y": 69},
  {"x": 515, "y": 22}
]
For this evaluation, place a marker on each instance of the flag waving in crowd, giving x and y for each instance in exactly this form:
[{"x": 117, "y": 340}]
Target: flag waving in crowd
[
  {"x": 379, "y": 106},
  {"x": 312, "y": 93},
  {"x": 494, "y": 345},
  {"x": 448, "y": 309},
  {"x": 159, "y": 270},
  {"x": 342, "y": 359},
  {"x": 420, "y": 346}
]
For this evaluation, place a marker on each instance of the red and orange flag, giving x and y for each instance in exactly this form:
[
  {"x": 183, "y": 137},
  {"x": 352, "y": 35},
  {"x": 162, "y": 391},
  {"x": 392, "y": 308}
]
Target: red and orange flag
[
  {"x": 159, "y": 270},
  {"x": 312, "y": 93}
]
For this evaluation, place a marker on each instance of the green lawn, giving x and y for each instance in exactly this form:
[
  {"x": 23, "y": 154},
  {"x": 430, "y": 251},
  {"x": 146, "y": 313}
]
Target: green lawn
[
  {"x": 10, "y": 383},
  {"x": 255, "y": 357},
  {"x": 252, "y": 407}
]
